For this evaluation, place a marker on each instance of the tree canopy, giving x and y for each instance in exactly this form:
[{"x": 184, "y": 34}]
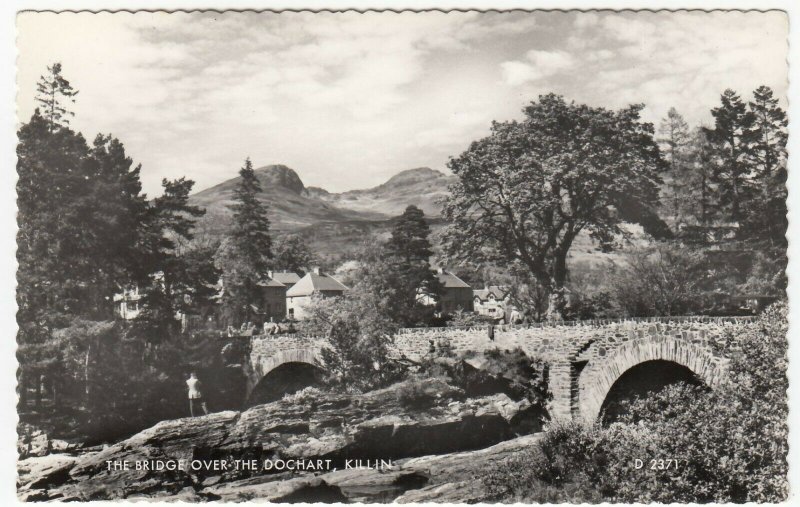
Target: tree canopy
[{"x": 527, "y": 190}]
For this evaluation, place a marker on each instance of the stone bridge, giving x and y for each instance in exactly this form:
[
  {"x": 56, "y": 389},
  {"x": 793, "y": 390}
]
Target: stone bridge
[{"x": 587, "y": 360}]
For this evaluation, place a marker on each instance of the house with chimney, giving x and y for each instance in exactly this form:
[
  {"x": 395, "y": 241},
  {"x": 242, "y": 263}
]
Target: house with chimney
[
  {"x": 456, "y": 294},
  {"x": 491, "y": 301},
  {"x": 274, "y": 289},
  {"x": 314, "y": 283}
]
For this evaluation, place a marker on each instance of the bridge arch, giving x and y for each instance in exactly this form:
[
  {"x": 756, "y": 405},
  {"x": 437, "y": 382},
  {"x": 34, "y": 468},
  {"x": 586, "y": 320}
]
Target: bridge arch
[
  {"x": 282, "y": 368},
  {"x": 601, "y": 373}
]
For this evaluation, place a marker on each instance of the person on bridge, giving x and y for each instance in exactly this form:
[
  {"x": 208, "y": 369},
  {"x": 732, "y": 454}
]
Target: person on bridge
[{"x": 195, "y": 394}]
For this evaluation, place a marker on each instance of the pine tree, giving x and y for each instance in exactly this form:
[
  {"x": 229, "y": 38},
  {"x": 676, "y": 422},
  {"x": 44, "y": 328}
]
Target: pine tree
[
  {"x": 768, "y": 131},
  {"x": 53, "y": 91},
  {"x": 410, "y": 251},
  {"x": 185, "y": 276},
  {"x": 245, "y": 256},
  {"x": 766, "y": 212},
  {"x": 675, "y": 139},
  {"x": 701, "y": 176},
  {"x": 731, "y": 139}
]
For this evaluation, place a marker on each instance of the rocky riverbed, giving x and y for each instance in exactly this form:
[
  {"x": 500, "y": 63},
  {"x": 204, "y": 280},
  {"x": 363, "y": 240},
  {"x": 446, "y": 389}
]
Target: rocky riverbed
[{"x": 433, "y": 435}]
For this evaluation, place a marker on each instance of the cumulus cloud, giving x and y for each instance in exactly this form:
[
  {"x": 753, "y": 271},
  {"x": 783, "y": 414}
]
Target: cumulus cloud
[
  {"x": 349, "y": 98},
  {"x": 538, "y": 65}
]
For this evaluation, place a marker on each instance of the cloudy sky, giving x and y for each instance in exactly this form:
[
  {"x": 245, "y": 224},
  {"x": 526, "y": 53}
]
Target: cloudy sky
[{"x": 349, "y": 99}]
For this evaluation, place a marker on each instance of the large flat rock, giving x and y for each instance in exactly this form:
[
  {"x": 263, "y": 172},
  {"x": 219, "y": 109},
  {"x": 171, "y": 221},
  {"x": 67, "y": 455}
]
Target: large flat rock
[{"x": 383, "y": 424}]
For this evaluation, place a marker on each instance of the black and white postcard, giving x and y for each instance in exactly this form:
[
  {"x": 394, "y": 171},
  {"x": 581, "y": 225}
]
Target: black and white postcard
[{"x": 412, "y": 256}]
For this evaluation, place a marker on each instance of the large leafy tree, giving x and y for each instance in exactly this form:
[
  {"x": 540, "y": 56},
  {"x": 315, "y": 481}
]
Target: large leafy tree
[
  {"x": 293, "y": 254},
  {"x": 245, "y": 256},
  {"x": 526, "y": 191},
  {"x": 359, "y": 327},
  {"x": 410, "y": 273}
]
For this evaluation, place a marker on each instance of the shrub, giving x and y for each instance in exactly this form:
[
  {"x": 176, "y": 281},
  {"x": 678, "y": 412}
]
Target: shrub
[
  {"x": 730, "y": 443},
  {"x": 304, "y": 395},
  {"x": 660, "y": 280}
]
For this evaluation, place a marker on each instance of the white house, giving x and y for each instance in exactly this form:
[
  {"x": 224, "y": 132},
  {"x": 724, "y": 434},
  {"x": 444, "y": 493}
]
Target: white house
[
  {"x": 314, "y": 283},
  {"x": 491, "y": 301},
  {"x": 127, "y": 303}
]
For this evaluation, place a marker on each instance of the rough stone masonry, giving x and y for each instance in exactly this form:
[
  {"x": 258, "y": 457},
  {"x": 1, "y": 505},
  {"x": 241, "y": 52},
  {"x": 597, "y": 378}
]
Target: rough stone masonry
[{"x": 585, "y": 358}]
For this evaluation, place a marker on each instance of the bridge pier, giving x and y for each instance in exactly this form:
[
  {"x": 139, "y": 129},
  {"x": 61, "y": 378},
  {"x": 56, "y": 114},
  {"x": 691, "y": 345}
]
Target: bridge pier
[{"x": 560, "y": 384}]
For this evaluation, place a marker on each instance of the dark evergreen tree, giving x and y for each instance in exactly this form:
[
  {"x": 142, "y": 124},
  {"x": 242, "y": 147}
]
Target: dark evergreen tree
[
  {"x": 731, "y": 139},
  {"x": 675, "y": 140},
  {"x": 53, "y": 91},
  {"x": 766, "y": 214},
  {"x": 86, "y": 230},
  {"x": 245, "y": 256},
  {"x": 768, "y": 132},
  {"x": 411, "y": 275}
]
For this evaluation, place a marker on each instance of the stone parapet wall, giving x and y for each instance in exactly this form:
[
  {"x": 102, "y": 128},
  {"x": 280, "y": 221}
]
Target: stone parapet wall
[{"x": 585, "y": 358}]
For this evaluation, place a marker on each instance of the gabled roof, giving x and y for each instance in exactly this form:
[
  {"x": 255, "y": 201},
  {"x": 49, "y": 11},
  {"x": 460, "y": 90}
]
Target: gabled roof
[
  {"x": 451, "y": 281},
  {"x": 270, "y": 282},
  {"x": 483, "y": 294},
  {"x": 315, "y": 282},
  {"x": 287, "y": 278}
]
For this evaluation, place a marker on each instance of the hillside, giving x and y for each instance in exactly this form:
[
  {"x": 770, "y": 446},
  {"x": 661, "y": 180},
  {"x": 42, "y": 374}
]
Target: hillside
[
  {"x": 342, "y": 218},
  {"x": 422, "y": 187},
  {"x": 290, "y": 207}
]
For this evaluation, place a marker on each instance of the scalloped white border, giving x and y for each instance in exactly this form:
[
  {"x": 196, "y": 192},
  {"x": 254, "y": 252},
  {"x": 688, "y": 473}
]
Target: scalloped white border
[{"x": 8, "y": 9}]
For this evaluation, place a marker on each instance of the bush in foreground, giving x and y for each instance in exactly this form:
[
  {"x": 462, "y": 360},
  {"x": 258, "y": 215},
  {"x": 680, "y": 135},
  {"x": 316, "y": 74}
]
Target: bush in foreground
[{"x": 727, "y": 445}]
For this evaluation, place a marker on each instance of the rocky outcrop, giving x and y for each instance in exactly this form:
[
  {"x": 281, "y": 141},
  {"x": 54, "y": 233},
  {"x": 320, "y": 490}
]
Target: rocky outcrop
[
  {"x": 388, "y": 424},
  {"x": 35, "y": 442}
]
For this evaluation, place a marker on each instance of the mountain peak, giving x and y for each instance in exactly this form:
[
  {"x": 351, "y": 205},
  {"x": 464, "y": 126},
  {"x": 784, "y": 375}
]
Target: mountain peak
[
  {"x": 416, "y": 175},
  {"x": 281, "y": 176}
]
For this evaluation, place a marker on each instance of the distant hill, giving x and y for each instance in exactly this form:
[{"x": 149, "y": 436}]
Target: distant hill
[
  {"x": 290, "y": 207},
  {"x": 335, "y": 225},
  {"x": 294, "y": 207},
  {"x": 422, "y": 187}
]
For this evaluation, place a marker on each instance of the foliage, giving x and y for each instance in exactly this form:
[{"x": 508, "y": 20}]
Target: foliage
[
  {"x": 292, "y": 254},
  {"x": 245, "y": 255},
  {"x": 460, "y": 318},
  {"x": 581, "y": 306},
  {"x": 675, "y": 140},
  {"x": 528, "y": 294},
  {"x": 730, "y": 443},
  {"x": 86, "y": 231},
  {"x": 659, "y": 280},
  {"x": 409, "y": 271},
  {"x": 524, "y": 193},
  {"x": 358, "y": 328},
  {"x": 53, "y": 90},
  {"x": 303, "y": 395}
]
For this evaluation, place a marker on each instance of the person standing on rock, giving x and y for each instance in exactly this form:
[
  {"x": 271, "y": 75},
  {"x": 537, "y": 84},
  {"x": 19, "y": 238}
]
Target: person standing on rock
[{"x": 195, "y": 395}]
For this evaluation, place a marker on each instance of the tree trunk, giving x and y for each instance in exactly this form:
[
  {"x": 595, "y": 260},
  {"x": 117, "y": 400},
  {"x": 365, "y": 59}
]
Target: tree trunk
[
  {"x": 22, "y": 386},
  {"x": 86, "y": 385},
  {"x": 38, "y": 398},
  {"x": 54, "y": 391}
]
